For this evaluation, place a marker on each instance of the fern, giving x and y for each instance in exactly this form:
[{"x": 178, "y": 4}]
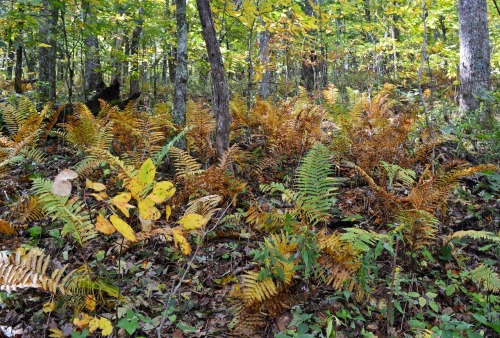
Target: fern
[
  {"x": 184, "y": 163},
  {"x": 29, "y": 270},
  {"x": 396, "y": 173},
  {"x": 315, "y": 187},
  {"x": 474, "y": 234},
  {"x": 71, "y": 211},
  {"x": 488, "y": 277},
  {"x": 205, "y": 206}
]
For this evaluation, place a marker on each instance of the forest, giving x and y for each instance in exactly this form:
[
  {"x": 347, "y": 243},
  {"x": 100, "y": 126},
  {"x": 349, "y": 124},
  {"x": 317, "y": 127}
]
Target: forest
[{"x": 249, "y": 168}]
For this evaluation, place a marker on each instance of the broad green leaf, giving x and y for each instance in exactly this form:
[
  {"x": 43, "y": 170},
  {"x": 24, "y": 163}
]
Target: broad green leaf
[
  {"x": 192, "y": 221},
  {"x": 147, "y": 172},
  {"x": 123, "y": 227},
  {"x": 162, "y": 191}
]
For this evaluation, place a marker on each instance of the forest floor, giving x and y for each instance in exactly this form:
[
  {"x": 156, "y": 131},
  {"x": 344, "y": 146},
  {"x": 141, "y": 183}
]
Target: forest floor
[{"x": 432, "y": 292}]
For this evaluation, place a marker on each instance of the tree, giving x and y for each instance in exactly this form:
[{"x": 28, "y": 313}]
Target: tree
[
  {"x": 47, "y": 52},
  {"x": 181, "y": 73},
  {"x": 475, "y": 73},
  {"x": 92, "y": 74},
  {"x": 221, "y": 93}
]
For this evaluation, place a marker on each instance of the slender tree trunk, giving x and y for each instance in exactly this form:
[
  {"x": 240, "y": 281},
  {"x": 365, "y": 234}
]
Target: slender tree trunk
[
  {"x": 475, "y": 71},
  {"x": 18, "y": 72},
  {"x": 134, "y": 52},
  {"x": 265, "y": 85},
  {"x": 92, "y": 74},
  {"x": 181, "y": 73},
  {"x": 221, "y": 92}
]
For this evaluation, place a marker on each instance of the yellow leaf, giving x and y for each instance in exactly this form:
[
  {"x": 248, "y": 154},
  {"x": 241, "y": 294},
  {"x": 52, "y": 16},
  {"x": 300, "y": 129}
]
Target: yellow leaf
[
  {"x": 181, "y": 242},
  {"x": 100, "y": 196},
  {"x": 148, "y": 210},
  {"x": 49, "y": 307},
  {"x": 94, "y": 324},
  {"x": 168, "y": 212},
  {"x": 121, "y": 202},
  {"x": 90, "y": 302},
  {"x": 106, "y": 326},
  {"x": 135, "y": 186},
  {"x": 123, "y": 227},
  {"x": 82, "y": 322},
  {"x": 192, "y": 221},
  {"x": 96, "y": 186},
  {"x": 104, "y": 226},
  {"x": 162, "y": 191},
  {"x": 55, "y": 333},
  {"x": 147, "y": 172}
]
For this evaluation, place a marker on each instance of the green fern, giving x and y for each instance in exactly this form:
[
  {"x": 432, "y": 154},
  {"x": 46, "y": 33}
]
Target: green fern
[
  {"x": 475, "y": 234},
  {"x": 487, "y": 277},
  {"x": 71, "y": 211},
  {"x": 396, "y": 173},
  {"x": 315, "y": 186}
]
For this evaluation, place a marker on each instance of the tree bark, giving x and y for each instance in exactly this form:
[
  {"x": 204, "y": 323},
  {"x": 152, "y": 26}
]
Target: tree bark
[
  {"x": 93, "y": 77},
  {"x": 181, "y": 73},
  {"x": 265, "y": 85},
  {"x": 475, "y": 71},
  {"x": 18, "y": 72},
  {"x": 134, "y": 52},
  {"x": 221, "y": 93}
]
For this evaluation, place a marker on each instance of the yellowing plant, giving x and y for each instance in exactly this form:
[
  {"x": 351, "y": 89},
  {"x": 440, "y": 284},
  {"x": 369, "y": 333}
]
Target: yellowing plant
[{"x": 148, "y": 195}]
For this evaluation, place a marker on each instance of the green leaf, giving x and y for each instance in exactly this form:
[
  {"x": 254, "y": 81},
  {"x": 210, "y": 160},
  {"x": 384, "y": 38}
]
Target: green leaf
[
  {"x": 147, "y": 172},
  {"x": 450, "y": 289},
  {"x": 422, "y": 301},
  {"x": 434, "y": 306},
  {"x": 35, "y": 231},
  {"x": 414, "y": 294},
  {"x": 129, "y": 325}
]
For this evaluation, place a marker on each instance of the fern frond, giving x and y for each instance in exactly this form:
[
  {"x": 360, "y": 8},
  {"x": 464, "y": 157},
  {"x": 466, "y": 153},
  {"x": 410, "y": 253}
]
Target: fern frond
[
  {"x": 488, "y": 277},
  {"x": 29, "y": 270},
  {"x": 474, "y": 234},
  {"x": 6, "y": 228},
  {"x": 72, "y": 212},
  {"x": 205, "y": 206},
  {"x": 166, "y": 148},
  {"x": 27, "y": 210},
  {"x": 202, "y": 123},
  {"x": 184, "y": 163},
  {"x": 256, "y": 291},
  {"x": 361, "y": 239},
  {"x": 419, "y": 227},
  {"x": 315, "y": 187}
]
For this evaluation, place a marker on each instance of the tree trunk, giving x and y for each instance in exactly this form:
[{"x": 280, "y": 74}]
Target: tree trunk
[
  {"x": 92, "y": 75},
  {"x": 475, "y": 73},
  {"x": 265, "y": 85},
  {"x": 181, "y": 73},
  {"x": 221, "y": 93},
  {"x": 18, "y": 72},
  {"x": 134, "y": 51}
]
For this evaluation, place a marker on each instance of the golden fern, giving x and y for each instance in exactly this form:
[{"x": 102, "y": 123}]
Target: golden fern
[
  {"x": 205, "y": 206},
  {"x": 6, "y": 228},
  {"x": 24, "y": 125},
  {"x": 419, "y": 228},
  {"x": 339, "y": 258},
  {"x": 184, "y": 163},
  {"x": 29, "y": 270},
  {"x": 202, "y": 123}
]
